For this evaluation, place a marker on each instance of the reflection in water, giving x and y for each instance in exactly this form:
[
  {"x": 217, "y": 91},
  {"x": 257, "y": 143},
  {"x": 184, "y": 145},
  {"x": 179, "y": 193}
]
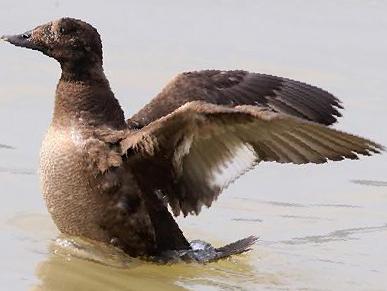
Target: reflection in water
[
  {"x": 282, "y": 264},
  {"x": 79, "y": 265}
]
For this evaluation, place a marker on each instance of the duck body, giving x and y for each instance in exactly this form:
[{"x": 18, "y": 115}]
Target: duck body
[
  {"x": 88, "y": 188},
  {"x": 67, "y": 179}
]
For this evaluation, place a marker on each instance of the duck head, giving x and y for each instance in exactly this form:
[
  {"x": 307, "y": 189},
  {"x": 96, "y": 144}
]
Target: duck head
[{"x": 71, "y": 42}]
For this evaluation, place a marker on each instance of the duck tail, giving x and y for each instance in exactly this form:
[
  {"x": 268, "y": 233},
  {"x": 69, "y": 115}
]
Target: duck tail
[{"x": 240, "y": 246}]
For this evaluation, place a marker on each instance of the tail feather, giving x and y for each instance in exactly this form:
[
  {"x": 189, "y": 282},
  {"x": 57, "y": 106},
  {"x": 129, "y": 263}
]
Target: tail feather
[
  {"x": 235, "y": 248},
  {"x": 203, "y": 252}
]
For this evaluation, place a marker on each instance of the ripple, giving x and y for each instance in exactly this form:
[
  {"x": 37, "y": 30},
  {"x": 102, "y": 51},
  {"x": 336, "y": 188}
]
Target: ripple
[
  {"x": 5, "y": 146},
  {"x": 304, "y": 217},
  {"x": 370, "y": 183},
  {"x": 337, "y": 205},
  {"x": 298, "y": 205},
  {"x": 75, "y": 264},
  {"x": 15, "y": 171},
  {"x": 338, "y": 235},
  {"x": 70, "y": 248},
  {"x": 247, "y": 219}
]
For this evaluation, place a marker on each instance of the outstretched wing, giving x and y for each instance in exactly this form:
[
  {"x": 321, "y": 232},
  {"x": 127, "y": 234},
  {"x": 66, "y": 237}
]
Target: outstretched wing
[
  {"x": 233, "y": 88},
  {"x": 192, "y": 154}
]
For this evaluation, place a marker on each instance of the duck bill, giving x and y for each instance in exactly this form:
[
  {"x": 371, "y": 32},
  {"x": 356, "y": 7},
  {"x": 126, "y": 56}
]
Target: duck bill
[{"x": 23, "y": 40}]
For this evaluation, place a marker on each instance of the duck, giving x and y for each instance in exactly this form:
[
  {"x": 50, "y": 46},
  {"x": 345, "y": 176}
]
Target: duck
[{"x": 121, "y": 181}]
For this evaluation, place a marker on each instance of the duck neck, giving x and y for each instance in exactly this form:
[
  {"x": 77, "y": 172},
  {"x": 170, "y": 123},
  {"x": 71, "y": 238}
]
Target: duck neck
[
  {"x": 83, "y": 69},
  {"x": 84, "y": 99}
]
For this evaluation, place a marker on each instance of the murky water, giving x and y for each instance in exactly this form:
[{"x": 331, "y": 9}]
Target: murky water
[{"x": 320, "y": 227}]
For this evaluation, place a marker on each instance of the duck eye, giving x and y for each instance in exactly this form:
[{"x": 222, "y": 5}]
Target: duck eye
[
  {"x": 67, "y": 30},
  {"x": 26, "y": 35}
]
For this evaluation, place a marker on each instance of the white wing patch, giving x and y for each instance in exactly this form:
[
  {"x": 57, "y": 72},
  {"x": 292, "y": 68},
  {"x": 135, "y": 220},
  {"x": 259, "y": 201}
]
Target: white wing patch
[
  {"x": 242, "y": 159},
  {"x": 182, "y": 150}
]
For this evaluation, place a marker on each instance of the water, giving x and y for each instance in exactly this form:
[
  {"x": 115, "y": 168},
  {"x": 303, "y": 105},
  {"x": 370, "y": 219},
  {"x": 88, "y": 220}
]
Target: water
[{"x": 320, "y": 227}]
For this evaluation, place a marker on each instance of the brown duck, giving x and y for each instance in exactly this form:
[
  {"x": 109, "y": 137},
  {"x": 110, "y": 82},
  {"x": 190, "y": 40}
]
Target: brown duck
[{"x": 111, "y": 180}]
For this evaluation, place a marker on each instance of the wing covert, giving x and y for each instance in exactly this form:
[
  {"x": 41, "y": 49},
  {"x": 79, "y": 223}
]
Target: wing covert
[{"x": 235, "y": 88}]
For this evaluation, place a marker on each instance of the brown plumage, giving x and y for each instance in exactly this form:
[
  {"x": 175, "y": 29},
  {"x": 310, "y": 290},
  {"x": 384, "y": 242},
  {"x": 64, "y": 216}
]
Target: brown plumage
[{"x": 111, "y": 180}]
